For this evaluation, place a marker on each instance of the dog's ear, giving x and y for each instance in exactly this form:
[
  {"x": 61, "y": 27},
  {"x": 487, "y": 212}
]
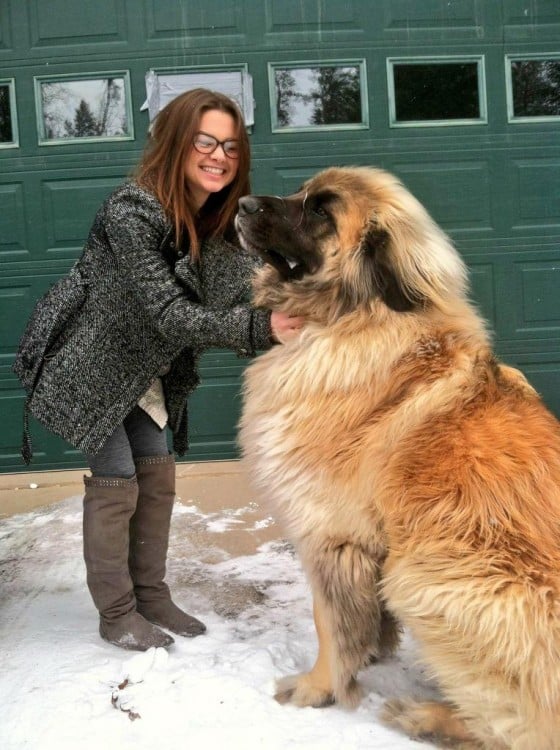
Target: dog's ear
[{"x": 386, "y": 281}]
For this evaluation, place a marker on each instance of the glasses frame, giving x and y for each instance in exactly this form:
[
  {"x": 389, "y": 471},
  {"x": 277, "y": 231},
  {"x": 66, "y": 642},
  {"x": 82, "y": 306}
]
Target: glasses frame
[{"x": 218, "y": 143}]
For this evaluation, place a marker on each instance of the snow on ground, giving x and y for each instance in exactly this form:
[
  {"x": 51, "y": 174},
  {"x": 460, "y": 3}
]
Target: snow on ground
[{"x": 62, "y": 687}]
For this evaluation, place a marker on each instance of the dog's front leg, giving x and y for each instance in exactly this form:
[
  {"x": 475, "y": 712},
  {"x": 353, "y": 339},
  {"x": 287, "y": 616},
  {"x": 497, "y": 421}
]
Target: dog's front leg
[
  {"x": 314, "y": 688},
  {"x": 353, "y": 627}
]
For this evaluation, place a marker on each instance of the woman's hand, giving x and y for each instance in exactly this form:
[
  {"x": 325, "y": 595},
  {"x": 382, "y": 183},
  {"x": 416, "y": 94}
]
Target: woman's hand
[{"x": 285, "y": 327}]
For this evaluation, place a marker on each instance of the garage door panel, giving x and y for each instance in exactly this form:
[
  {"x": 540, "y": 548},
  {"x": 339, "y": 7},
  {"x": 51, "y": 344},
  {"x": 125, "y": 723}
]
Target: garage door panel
[
  {"x": 481, "y": 277},
  {"x": 295, "y": 17},
  {"x": 539, "y": 284},
  {"x": 529, "y": 304},
  {"x": 6, "y": 29},
  {"x": 13, "y": 235},
  {"x": 197, "y": 22},
  {"x": 67, "y": 230},
  {"x": 432, "y": 19},
  {"x": 214, "y": 411},
  {"x": 97, "y": 24},
  {"x": 16, "y": 303},
  {"x": 535, "y": 186},
  {"x": 531, "y": 21}
]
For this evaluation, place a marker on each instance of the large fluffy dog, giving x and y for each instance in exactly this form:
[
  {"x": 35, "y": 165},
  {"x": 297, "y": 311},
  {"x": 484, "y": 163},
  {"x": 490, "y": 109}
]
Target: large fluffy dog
[{"x": 416, "y": 475}]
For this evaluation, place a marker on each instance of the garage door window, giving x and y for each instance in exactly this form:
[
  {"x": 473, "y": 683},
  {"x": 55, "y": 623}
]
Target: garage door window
[
  {"x": 87, "y": 108},
  {"x": 309, "y": 96},
  {"x": 436, "y": 91},
  {"x": 8, "y": 122},
  {"x": 533, "y": 87},
  {"x": 164, "y": 84}
]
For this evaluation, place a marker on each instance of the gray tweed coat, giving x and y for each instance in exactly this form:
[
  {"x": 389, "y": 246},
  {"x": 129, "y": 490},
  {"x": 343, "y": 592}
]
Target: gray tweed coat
[{"x": 131, "y": 305}]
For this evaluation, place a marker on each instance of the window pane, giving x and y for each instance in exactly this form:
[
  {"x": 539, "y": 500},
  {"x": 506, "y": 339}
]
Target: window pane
[
  {"x": 6, "y": 134},
  {"x": 163, "y": 86},
  {"x": 536, "y": 88},
  {"x": 436, "y": 91},
  {"x": 318, "y": 96},
  {"x": 88, "y": 108}
]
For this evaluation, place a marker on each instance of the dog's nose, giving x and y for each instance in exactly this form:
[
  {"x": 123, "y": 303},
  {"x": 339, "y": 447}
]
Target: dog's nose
[{"x": 249, "y": 204}]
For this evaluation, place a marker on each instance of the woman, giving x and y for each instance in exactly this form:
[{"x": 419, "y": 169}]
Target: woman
[{"x": 110, "y": 354}]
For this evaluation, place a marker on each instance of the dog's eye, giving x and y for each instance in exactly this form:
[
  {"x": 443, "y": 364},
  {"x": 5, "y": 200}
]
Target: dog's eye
[{"x": 320, "y": 211}]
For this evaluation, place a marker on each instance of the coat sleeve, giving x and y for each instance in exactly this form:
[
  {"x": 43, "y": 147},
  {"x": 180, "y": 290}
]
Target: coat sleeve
[{"x": 135, "y": 226}]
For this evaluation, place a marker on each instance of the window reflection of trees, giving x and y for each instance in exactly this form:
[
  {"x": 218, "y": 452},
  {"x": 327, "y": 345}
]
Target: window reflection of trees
[
  {"x": 329, "y": 96},
  {"x": 337, "y": 97},
  {"x": 6, "y": 134},
  {"x": 285, "y": 93},
  {"x": 536, "y": 88},
  {"x": 101, "y": 114}
]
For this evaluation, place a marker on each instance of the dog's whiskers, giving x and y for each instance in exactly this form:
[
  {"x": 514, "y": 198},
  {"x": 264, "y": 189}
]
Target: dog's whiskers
[{"x": 302, "y": 209}]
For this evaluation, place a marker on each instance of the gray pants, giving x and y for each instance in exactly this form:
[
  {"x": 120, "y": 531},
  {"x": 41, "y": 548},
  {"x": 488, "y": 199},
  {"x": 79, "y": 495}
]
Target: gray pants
[{"x": 137, "y": 437}]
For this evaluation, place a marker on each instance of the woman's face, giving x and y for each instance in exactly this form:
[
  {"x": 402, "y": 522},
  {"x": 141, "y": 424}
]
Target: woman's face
[{"x": 210, "y": 173}]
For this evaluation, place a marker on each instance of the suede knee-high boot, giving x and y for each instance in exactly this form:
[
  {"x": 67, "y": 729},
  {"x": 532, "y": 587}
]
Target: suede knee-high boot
[
  {"x": 149, "y": 541},
  {"x": 109, "y": 504}
]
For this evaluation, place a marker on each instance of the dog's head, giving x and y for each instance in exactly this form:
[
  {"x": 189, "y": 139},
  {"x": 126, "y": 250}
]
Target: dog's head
[{"x": 352, "y": 237}]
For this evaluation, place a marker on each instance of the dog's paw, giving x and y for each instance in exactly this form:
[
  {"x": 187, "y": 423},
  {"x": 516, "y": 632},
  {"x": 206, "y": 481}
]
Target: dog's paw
[
  {"x": 349, "y": 694},
  {"x": 404, "y": 715},
  {"x": 299, "y": 690},
  {"x": 437, "y": 722}
]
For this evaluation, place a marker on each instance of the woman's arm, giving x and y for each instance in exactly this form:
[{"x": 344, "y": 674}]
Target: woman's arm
[{"x": 135, "y": 226}]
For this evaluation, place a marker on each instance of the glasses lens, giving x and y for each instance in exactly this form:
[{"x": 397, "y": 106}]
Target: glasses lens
[
  {"x": 205, "y": 143},
  {"x": 231, "y": 149}
]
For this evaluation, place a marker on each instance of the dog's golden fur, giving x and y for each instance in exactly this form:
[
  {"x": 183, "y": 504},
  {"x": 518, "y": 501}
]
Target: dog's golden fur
[{"x": 418, "y": 478}]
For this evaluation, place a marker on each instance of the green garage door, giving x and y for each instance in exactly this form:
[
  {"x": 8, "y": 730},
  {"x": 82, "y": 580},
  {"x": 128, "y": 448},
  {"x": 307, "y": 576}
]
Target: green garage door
[{"x": 461, "y": 99}]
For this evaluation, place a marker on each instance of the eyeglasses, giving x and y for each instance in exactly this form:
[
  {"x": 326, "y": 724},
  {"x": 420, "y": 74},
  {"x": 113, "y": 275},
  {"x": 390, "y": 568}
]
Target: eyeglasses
[{"x": 207, "y": 144}]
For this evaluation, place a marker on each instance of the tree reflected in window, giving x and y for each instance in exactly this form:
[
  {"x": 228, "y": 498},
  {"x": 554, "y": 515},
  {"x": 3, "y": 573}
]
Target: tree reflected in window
[
  {"x": 336, "y": 97},
  {"x": 318, "y": 96},
  {"x": 535, "y": 88}
]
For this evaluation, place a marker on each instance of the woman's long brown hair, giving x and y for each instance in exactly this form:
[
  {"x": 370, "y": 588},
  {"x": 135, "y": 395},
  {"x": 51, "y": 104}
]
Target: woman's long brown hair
[{"x": 162, "y": 168}]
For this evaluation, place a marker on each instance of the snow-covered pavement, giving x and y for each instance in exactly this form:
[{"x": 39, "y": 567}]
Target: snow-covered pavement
[{"x": 62, "y": 687}]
